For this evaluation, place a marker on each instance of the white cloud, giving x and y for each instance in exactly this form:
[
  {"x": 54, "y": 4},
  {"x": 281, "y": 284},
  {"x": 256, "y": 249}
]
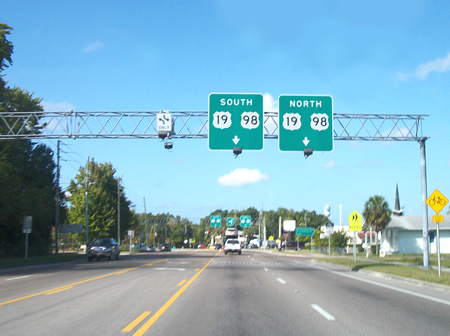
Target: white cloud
[
  {"x": 439, "y": 65},
  {"x": 94, "y": 46},
  {"x": 269, "y": 103},
  {"x": 241, "y": 177},
  {"x": 330, "y": 164},
  {"x": 57, "y": 107}
]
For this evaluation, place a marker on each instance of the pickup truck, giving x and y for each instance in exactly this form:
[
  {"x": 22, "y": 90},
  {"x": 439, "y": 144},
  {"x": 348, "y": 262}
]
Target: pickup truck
[{"x": 232, "y": 245}]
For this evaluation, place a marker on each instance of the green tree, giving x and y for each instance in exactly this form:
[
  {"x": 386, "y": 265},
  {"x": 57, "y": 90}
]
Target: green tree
[
  {"x": 102, "y": 187},
  {"x": 338, "y": 239},
  {"x": 377, "y": 215},
  {"x": 26, "y": 170}
]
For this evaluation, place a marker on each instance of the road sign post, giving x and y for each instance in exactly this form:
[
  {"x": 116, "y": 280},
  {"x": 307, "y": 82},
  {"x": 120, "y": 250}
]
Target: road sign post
[
  {"x": 235, "y": 120},
  {"x": 305, "y": 121},
  {"x": 437, "y": 201},
  {"x": 355, "y": 225}
]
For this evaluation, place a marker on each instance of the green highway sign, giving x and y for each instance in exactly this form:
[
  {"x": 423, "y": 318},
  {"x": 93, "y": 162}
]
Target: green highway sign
[
  {"x": 216, "y": 221},
  {"x": 235, "y": 120},
  {"x": 305, "y": 121},
  {"x": 246, "y": 221},
  {"x": 300, "y": 231},
  {"x": 230, "y": 221}
]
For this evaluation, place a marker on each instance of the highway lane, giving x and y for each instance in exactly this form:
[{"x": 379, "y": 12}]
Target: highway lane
[{"x": 206, "y": 293}]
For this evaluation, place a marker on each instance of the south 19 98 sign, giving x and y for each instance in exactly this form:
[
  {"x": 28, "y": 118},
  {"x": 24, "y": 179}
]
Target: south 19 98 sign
[{"x": 235, "y": 120}]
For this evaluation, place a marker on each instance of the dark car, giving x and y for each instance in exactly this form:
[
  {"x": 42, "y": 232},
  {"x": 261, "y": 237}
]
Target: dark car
[
  {"x": 292, "y": 246},
  {"x": 103, "y": 248},
  {"x": 165, "y": 248}
]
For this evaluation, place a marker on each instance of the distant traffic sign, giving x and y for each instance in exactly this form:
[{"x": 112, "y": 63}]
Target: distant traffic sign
[
  {"x": 235, "y": 120},
  {"x": 230, "y": 221},
  {"x": 437, "y": 201},
  {"x": 304, "y": 231},
  {"x": 305, "y": 121},
  {"x": 354, "y": 222},
  {"x": 246, "y": 221},
  {"x": 216, "y": 221}
]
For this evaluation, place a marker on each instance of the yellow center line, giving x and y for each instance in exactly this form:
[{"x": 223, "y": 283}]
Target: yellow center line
[
  {"x": 138, "y": 320},
  {"x": 59, "y": 290},
  {"x": 162, "y": 310},
  {"x": 181, "y": 283},
  {"x": 54, "y": 290}
]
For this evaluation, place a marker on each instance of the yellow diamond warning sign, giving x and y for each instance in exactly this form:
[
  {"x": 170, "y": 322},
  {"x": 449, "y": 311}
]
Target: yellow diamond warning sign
[{"x": 437, "y": 201}]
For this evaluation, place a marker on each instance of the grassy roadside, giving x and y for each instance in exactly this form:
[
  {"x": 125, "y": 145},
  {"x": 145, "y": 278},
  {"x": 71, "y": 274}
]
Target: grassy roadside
[
  {"x": 21, "y": 261},
  {"x": 389, "y": 265}
]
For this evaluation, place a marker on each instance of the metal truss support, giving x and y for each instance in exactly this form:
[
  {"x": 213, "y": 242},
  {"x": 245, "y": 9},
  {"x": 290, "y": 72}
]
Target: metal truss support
[
  {"x": 194, "y": 125},
  {"x": 190, "y": 125}
]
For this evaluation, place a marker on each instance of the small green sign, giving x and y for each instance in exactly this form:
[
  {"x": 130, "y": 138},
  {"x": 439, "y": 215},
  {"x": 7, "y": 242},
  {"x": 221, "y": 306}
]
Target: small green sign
[
  {"x": 246, "y": 221},
  {"x": 300, "y": 231},
  {"x": 216, "y": 221},
  {"x": 230, "y": 221}
]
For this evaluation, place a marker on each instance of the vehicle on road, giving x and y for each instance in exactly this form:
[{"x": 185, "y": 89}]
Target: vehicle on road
[
  {"x": 231, "y": 233},
  {"x": 232, "y": 245},
  {"x": 292, "y": 246},
  {"x": 165, "y": 248},
  {"x": 103, "y": 248}
]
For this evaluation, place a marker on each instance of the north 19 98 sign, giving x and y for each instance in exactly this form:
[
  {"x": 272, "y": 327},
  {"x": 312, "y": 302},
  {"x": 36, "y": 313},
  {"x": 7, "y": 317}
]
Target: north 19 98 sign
[{"x": 305, "y": 122}]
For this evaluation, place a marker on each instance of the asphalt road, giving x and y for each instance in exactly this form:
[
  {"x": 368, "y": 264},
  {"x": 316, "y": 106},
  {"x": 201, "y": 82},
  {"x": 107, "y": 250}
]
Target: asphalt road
[{"x": 208, "y": 293}]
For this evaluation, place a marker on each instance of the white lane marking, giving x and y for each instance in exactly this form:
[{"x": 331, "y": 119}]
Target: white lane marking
[
  {"x": 22, "y": 277},
  {"x": 266, "y": 269},
  {"x": 323, "y": 312},
  {"x": 405, "y": 291},
  {"x": 281, "y": 281},
  {"x": 170, "y": 269}
]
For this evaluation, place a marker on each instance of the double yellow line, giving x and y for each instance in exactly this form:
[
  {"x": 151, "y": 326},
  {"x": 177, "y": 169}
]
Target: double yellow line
[{"x": 163, "y": 309}]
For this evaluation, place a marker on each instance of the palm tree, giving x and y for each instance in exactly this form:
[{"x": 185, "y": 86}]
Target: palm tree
[{"x": 377, "y": 214}]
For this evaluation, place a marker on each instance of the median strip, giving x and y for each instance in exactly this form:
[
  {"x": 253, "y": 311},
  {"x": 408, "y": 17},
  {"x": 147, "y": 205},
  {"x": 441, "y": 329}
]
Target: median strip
[
  {"x": 138, "y": 320},
  {"x": 166, "y": 306}
]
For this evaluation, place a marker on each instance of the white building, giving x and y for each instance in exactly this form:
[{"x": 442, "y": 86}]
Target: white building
[{"x": 404, "y": 235}]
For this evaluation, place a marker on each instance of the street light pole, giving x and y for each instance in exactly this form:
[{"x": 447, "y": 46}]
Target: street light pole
[
  {"x": 118, "y": 210},
  {"x": 86, "y": 205}
]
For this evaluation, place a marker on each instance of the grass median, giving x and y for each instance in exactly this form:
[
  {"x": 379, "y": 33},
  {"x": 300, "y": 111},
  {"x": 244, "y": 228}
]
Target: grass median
[
  {"x": 396, "y": 265},
  {"x": 21, "y": 261}
]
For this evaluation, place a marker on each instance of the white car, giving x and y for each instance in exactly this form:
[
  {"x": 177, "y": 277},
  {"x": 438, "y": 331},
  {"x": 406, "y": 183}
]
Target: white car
[
  {"x": 231, "y": 233},
  {"x": 232, "y": 245}
]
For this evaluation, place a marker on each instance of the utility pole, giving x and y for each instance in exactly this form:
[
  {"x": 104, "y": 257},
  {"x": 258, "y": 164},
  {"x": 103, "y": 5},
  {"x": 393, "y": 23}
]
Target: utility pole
[
  {"x": 118, "y": 210},
  {"x": 145, "y": 222},
  {"x": 86, "y": 205},
  {"x": 57, "y": 197}
]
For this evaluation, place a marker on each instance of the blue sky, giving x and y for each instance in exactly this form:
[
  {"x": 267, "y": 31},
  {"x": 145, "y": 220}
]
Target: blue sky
[{"x": 390, "y": 57}]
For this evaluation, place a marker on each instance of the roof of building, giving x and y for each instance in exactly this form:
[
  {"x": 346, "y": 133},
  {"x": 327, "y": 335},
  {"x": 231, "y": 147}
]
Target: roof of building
[{"x": 414, "y": 223}]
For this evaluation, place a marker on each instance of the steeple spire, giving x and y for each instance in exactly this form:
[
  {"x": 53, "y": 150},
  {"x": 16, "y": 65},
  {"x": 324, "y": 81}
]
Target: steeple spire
[{"x": 397, "y": 211}]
